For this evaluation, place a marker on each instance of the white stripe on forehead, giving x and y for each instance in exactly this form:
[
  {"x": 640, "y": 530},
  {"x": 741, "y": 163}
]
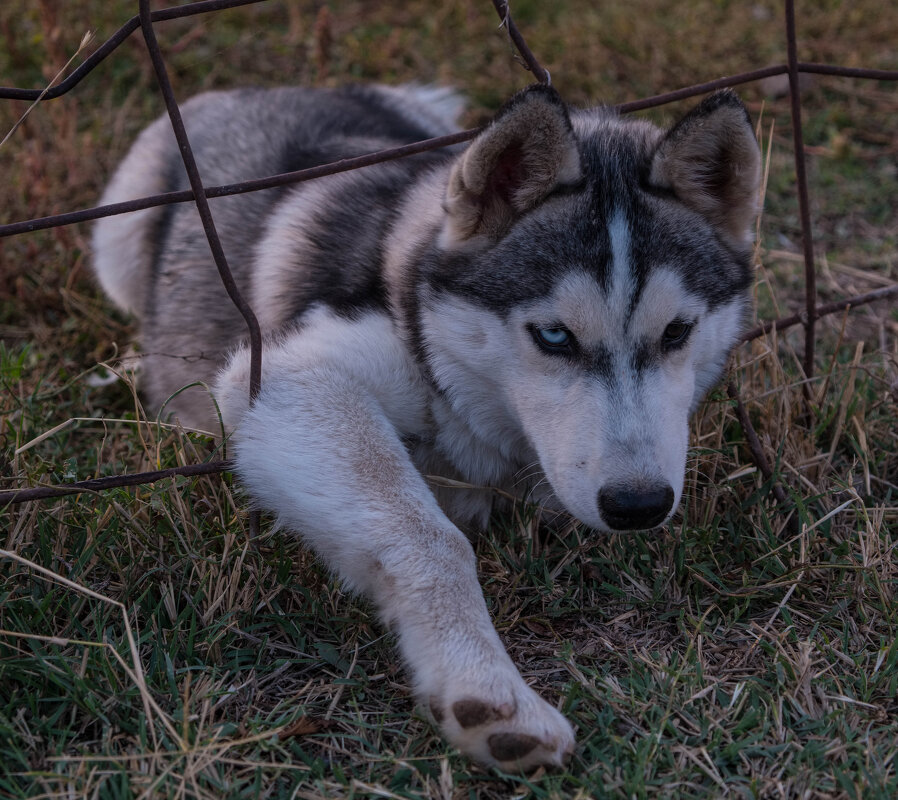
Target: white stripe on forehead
[{"x": 621, "y": 280}]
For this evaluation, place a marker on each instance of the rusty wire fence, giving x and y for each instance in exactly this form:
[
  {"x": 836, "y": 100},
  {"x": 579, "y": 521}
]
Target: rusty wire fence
[{"x": 200, "y": 195}]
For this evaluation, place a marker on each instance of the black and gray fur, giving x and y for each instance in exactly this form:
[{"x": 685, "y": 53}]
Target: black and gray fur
[
  {"x": 539, "y": 311},
  {"x": 235, "y": 136}
]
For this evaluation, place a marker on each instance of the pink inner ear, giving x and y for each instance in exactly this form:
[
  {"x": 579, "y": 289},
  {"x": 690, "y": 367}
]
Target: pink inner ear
[{"x": 508, "y": 173}]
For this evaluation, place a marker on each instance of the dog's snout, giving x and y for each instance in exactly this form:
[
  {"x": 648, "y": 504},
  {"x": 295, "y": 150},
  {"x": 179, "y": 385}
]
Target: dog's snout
[{"x": 627, "y": 509}]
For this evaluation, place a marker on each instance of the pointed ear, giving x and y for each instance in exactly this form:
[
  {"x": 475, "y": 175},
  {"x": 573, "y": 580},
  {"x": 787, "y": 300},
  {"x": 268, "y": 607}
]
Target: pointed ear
[
  {"x": 711, "y": 161},
  {"x": 523, "y": 154}
]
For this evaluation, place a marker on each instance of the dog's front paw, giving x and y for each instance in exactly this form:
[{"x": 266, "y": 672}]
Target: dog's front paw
[{"x": 516, "y": 731}]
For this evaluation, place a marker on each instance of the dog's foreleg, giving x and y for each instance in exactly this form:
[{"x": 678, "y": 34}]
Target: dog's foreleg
[{"x": 322, "y": 449}]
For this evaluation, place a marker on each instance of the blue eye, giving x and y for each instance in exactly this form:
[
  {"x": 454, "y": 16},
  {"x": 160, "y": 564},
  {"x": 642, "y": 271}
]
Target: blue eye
[
  {"x": 554, "y": 337},
  {"x": 553, "y": 340}
]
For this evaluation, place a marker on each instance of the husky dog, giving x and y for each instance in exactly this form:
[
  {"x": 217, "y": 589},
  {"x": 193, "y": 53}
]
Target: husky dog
[{"x": 553, "y": 299}]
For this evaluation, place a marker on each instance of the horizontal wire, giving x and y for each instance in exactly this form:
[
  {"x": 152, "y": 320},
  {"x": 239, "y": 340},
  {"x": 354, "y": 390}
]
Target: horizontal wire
[
  {"x": 94, "y": 59},
  {"x": 283, "y": 179}
]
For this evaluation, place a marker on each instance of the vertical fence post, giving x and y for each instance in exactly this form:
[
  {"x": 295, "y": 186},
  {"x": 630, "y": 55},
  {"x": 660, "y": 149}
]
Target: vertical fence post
[
  {"x": 200, "y": 197},
  {"x": 801, "y": 177},
  {"x": 202, "y": 204}
]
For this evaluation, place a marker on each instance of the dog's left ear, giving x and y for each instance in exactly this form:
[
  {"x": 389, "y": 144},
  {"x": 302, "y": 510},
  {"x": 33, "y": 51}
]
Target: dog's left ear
[
  {"x": 711, "y": 161},
  {"x": 523, "y": 154}
]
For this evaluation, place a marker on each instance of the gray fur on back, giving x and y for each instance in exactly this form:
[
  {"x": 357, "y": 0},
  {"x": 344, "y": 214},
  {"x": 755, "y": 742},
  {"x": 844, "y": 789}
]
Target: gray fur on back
[{"x": 157, "y": 263}]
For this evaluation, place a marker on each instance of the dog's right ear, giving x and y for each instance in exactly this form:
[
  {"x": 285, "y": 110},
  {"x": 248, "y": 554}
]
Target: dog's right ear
[{"x": 521, "y": 156}]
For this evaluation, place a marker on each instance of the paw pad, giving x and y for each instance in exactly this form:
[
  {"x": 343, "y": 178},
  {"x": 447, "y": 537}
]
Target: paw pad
[
  {"x": 511, "y": 746},
  {"x": 470, "y": 712}
]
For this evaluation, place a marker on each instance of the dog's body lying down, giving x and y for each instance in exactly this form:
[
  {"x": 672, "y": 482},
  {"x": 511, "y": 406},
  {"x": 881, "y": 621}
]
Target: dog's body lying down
[{"x": 552, "y": 300}]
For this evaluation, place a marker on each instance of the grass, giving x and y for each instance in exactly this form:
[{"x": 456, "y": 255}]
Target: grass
[{"x": 149, "y": 648}]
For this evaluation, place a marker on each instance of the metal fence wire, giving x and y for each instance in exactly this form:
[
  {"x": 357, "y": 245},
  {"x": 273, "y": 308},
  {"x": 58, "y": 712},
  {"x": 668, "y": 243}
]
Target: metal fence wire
[{"x": 200, "y": 194}]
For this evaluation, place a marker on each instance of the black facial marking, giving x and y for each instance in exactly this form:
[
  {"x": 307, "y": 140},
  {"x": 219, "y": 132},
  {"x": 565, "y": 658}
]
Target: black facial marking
[
  {"x": 644, "y": 356},
  {"x": 527, "y": 264},
  {"x": 601, "y": 363}
]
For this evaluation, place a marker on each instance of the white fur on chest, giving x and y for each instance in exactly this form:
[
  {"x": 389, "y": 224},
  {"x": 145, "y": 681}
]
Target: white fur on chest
[{"x": 464, "y": 438}]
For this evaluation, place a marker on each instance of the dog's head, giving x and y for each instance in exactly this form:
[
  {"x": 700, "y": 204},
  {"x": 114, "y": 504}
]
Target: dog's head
[{"x": 592, "y": 275}]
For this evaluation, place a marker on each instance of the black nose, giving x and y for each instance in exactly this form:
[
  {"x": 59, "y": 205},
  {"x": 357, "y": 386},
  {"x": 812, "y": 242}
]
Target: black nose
[{"x": 627, "y": 509}]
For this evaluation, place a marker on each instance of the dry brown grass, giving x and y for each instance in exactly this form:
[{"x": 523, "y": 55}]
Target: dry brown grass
[{"x": 726, "y": 656}]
